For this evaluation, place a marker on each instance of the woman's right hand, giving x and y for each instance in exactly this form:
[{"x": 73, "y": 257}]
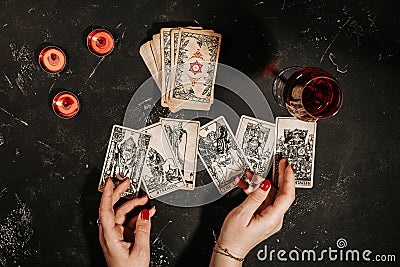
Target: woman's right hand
[{"x": 256, "y": 219}]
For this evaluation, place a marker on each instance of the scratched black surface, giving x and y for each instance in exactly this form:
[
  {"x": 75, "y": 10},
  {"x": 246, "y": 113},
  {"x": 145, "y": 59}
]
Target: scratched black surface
[{"x": 50, "y": 166}]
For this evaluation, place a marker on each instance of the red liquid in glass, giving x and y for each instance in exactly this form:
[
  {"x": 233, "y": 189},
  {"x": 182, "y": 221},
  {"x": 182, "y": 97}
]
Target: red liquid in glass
[{"x": 312, "y": 92}]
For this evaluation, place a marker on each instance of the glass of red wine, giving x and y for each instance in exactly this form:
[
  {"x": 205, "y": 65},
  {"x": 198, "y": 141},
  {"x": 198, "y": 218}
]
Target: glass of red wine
[{"x": 308, "y": 93}]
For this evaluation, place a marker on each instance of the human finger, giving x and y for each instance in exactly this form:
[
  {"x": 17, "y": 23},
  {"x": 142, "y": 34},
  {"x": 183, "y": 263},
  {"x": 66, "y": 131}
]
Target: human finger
[
  {"x": 142, "y": 234},
  {"x": 268, "y": 201},
  {"x": 254, "y": 201},
  {"x": 241, "y": 180},
  {"x": 120, "y": 213},
  {"x": 106, "y": 211},
  {"x": 251, "y": 183},
  {"x": 121, "y": 188},
  {"x": 281, "y": 170},
  {"x": 132, "y": 222},
  {"x": 256, "y": 182},
  {"x": 271, "y": 196},
  {"x": 286, "y": 193},
  {"x": 101, "y": 236},
  {"x": 242, "y": 184}
]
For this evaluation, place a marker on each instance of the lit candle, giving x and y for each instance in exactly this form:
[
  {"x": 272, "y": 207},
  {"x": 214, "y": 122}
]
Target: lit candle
[
  {"x": 65, "y": 105},
  {"x": 100, "y": 42},
  {"x": 52, "y": 59}
]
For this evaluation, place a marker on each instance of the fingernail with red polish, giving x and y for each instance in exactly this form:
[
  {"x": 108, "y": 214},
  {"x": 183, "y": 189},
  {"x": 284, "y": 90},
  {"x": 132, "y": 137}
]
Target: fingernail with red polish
[
  {"x": 265, "y": 185},
  {"x": 249, "y": 174},
  {"x": 145, "y": 214},
  {"x": 126, "y": 178}
]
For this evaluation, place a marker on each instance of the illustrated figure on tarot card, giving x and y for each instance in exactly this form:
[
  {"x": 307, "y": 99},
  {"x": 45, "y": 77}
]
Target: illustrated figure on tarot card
[
  {"x": 223, "y": 155},
  {"x": 254, "y": 141},
  {"x": 160, "y": 168},
  {"x": 298, "y": 150},
  {"x": 124, "y": 157},
  {"x": 177, "y": 136}
]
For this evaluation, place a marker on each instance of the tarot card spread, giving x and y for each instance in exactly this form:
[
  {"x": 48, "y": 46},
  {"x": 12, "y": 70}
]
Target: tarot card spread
[
  {"x": 221, "y": 155},
  {"x": 256, "y": 138},
  {"x": 126, "y": 153},
  {"x": 161, "y": 172},
  {"x": 295, "y": 140},
  {"x": 183, "y": 137}
]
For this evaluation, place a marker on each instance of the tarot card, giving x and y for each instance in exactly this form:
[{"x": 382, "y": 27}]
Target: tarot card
[
  {"x": 174, "y": 44},
  {"x": 256, "y": 138},
  {"x": 161, "y": 173},
  {"x": 183, "y": 137},
  {"x": 174, "y": 37},
  {"x": 156, "y": 47},
  {"x": 192, "y": 84},
  {"x": 221, "y": 155},
  {"x": 155, "y": 44},
  {"x": 125, "y": 157},
  {"x": 147, "y": 55},
  {"x": 295, "y": 140},
  {"x": 166, "y": 62}
]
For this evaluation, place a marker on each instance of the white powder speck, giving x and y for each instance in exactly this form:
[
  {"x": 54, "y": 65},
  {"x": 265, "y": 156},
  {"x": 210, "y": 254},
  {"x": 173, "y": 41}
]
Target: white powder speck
[{"x": 15, "y": 233}]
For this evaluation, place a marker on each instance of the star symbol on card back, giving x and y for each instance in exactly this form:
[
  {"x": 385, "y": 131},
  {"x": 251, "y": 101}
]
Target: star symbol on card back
[{"x": 195, "y": 67}]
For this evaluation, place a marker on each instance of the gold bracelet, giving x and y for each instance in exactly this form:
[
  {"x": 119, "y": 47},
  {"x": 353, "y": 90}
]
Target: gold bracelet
[{"x": 224, "y": 251}]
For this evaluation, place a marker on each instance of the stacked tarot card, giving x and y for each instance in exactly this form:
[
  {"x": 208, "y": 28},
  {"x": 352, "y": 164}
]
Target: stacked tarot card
[
  {"x": 164, "y": 155},
  {"x": 183, "y": 63}
]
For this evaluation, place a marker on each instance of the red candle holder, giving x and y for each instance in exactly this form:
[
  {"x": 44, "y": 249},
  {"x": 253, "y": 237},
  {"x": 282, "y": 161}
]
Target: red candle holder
[
  {"x": 52, "y": 59},
  {"x": 66, "y": 105},
  {"x": 100, "y": 42}
]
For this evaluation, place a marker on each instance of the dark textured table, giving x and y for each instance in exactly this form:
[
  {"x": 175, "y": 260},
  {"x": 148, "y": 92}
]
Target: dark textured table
[{"x": 50, "y": 167}]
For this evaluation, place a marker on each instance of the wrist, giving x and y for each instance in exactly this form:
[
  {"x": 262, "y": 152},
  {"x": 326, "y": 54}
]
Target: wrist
[
  {"x": 220, "y": 259},
  {"x": 222, "y": 252},
  {"x": 234, "y": 250}
]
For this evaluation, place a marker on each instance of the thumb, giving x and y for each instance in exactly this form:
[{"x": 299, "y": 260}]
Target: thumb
[
  {"x": 255, "y": 199},
  {"x": 142, "y": 234}
]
